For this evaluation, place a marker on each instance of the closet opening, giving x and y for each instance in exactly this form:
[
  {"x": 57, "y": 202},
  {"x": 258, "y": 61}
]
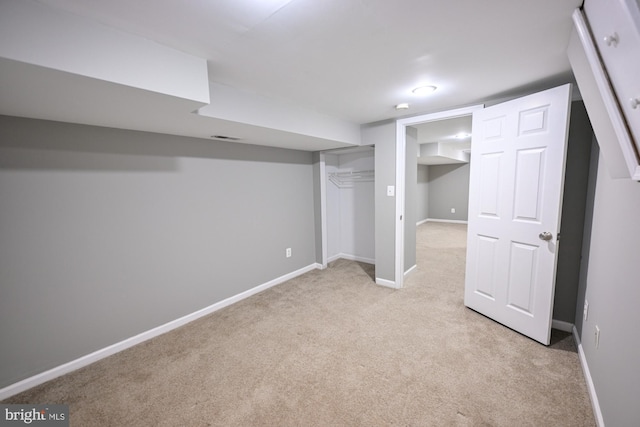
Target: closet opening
[{"x": 349, "y": 220}]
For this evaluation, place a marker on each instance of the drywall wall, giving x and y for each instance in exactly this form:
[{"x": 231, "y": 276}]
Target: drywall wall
[
  {"x": 422, "y": 193},
  {"x": 449, "y": 188},
  {"x": 383, "y": 136},
  {"x": 107, "y": 233},
  {"x": 35, "y": 33},
  {"x": 613, "y": 292},
  {"x": 332, "y": 165},
  {"x": 357, "y": 210},
  {"x": 586, "y": 235},
  {"x": 573, "y": 213}
]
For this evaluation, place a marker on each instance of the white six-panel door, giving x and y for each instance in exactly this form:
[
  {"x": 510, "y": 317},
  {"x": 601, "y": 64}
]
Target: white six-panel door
[{"x": 518, "y": 154}]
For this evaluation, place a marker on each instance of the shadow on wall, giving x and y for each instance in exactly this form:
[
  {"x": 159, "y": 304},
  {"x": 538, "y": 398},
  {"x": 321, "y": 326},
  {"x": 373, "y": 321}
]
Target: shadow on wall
[
  {"x": 449, "y": 189},
  {"x": 439, "y": 171},
  {"x": 118, "y": 149}
]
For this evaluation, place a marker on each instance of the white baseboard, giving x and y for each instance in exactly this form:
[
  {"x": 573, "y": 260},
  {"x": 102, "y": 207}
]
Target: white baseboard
[
  {"x": 333, "y": 258},
  {"x": 421, "y": 222},
  {"x": 83, "y": 361},
  {"x": 410, "y": 270},
  {"x": 452, "y": 221},
  {"x": 561, "y": 325},
  {"x": 352, "y": 258},
  {"x": 595, "y": 405},
  {"x": 386, "y": 283},
  {"x": 358, "y": 258}
]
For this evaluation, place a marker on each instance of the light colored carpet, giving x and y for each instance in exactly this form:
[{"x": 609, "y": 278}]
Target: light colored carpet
[{"x": 331, "y": 348}]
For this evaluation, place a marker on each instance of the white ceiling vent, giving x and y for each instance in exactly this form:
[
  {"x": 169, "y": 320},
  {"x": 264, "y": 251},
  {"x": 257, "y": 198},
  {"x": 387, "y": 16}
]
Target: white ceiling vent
[{"x": 226, "y": 138}]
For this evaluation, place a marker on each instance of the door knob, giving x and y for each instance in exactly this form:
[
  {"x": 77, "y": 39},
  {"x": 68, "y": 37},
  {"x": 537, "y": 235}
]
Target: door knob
[
  {"x": 545, "y": 235},
  {"x": 634, "y": 102}
]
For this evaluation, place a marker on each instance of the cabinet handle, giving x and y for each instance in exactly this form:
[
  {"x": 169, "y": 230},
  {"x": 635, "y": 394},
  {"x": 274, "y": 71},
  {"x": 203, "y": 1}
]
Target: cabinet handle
[
  {"x": 612, "y": 39},
  {"x": 634, "y": 102}
]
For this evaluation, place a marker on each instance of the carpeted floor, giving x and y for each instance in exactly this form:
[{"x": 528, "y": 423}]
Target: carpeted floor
[{"x": 331, "y": 348}]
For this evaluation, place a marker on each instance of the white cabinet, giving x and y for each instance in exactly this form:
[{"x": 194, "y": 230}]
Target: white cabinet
[
  {"x": 615, "y": 26},
  {"x": 604, "y": 52}
]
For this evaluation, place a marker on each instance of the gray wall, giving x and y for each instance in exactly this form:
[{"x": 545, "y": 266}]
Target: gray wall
[
  {"x": 449, "y": 188},
  {"x": 422, "y": 193},
  {"x": 586, "y": 235},
  {"x": 573, "y": 214},
  {"x": 107, "y": 233},
  {"x": 383, "y": 136},
  {"x": 612, "y": 288}
]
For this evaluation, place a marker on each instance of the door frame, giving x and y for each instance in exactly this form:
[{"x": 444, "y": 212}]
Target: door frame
[{"x": 401, "y": 152}]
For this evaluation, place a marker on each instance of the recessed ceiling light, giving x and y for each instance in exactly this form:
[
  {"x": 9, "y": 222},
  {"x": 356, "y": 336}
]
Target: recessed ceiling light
[
  {"x": 402, "y": 106},
  {"x": 424, "y": 90},
  {"x": 462, "y": 135}
]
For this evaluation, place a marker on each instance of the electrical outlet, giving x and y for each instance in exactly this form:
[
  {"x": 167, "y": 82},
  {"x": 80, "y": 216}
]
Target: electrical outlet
[
  {"x": 453, "y": 210},
  {"x": 288, "y": 253},
  {"x": 597, "y": 336},
  {"x": 585, "y": 313}
]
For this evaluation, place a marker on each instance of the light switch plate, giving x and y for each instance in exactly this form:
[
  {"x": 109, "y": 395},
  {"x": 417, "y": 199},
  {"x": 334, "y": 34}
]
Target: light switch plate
[{"x": 391, "y": 190}]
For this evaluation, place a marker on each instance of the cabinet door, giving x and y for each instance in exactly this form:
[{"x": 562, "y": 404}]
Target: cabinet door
[{"x": 615, "y": 25}]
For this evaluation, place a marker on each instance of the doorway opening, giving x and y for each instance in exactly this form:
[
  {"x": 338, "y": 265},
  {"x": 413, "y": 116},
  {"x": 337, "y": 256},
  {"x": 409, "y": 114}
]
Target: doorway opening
[{"x": 407, "y": 141}]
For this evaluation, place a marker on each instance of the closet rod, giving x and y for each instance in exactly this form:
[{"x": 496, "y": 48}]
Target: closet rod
[{"x": 344, "y": 179}]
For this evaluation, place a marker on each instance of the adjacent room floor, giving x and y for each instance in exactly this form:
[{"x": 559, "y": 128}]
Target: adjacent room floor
[{"x": 331, "y": 348}]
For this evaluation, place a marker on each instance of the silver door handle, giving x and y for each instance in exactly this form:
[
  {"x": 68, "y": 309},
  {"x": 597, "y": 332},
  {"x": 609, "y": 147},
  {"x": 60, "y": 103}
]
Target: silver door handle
[{"x": 545, "y": 235}]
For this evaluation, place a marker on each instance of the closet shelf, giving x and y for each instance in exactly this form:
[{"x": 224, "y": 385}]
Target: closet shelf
[{"x": 348, "y": 178}]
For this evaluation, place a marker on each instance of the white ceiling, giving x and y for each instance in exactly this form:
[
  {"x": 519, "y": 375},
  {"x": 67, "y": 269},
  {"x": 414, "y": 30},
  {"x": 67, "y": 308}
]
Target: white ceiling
[{"x": 354, "y": 59}]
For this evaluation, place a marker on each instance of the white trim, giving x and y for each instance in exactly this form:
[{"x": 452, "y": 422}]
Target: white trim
[
  {"x": 83, "y": 361},
  {"x": 561, "y": 325},
  {"x": 358, "y": 258},
  {"x": 401, "y": 154},
  {"x": 441, "y": 115},
  {"x": 421, "y": 222},
  {"x": 595, "y": 405},
  {"x": 352, "y": 258},
  {"x": 333, "y": 258},
  {"x": 410, "y": 270},
  {"x": 452, "y": 221},
  {"x": 323, "y": 209},
  {"x": 386, "y": 283}
]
